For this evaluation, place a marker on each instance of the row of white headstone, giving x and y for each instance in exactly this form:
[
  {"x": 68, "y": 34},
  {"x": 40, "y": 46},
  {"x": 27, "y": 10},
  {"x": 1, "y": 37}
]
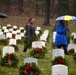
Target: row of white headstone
[
  {"x": 8, "y": 32},
  {"x": 58, "y": 69},
  {"x": 43, "y": 39},
  {"x": 61, "y": 69},
  {"x": 9, "y": 49},
  {"x": 44, "y": 36}
]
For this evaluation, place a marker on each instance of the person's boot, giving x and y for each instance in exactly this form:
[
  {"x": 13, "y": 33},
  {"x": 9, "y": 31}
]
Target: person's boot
[{"x": 25, "y": 49}]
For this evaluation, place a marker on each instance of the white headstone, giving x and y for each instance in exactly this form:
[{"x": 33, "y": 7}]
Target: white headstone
[
  {"x": 18, "y": 37},
  {"x": 30, "y": 60},
  {"x": 18, "y": 31},
  {"x": 71, "y": 46},
  {"x": 46, "y": 32},
  {"x": 14, "y": 32},
  {"x": 22, "y": 34},
  {"x": 57, "y": 52},
  {"x": 6, "y": 31},
  {"x": 73, "y": 33},
  {"x": 12, "y": 42},
  {"x": 11, "y": 30},
  {"x": 37, "y": 32},
  {"x": 21, "y": 28},
  {"x": 75, "y": 36},
  {"x": 37, "y": 44},
  {"x": 59, "y": 70},
  {"x": 14, "y": 27},
  {"x": 2, "y": 36},
  {"x": 0, "y": 30},
  {"x": 38, "y": 28},
  {"x": 8, "y": 25},
  {"x": 54, "y": 35},
  {"x": 1, "y": 33},
  {"x": 8, "y": 35},
  {"x": 7, "y": 49},
  {"x": 43, "y": 38},
  {"x": 75, "y": 48},
  {"x": 4, "y": 27}
]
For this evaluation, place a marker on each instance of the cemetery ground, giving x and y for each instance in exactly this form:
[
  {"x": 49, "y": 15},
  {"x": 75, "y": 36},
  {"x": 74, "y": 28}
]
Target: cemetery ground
[{"x": 44, "y": 64}]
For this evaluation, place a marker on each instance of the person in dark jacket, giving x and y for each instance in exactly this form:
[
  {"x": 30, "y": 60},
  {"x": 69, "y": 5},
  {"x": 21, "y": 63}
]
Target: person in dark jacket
[
  {"x": 61, "y": 39},
  {"x": 30, "y": 31}
]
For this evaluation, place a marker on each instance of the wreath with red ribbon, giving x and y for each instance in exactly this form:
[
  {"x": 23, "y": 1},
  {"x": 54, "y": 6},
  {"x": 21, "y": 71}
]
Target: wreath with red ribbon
[
  {"x": 38, "y": 52},
  {"x": 71, "y": 51},
  {"x": 59, "y": 60},
  {"x": 4, "y": 41},
  {"x": 29, "y": 69},
  {"x": 10, "y": 60}
]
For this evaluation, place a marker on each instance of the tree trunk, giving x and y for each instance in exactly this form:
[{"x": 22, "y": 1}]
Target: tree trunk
[
  {"x": 37, "y": 9},
  {"x": 20, "y": 6},
  {"x": 63, "y": 7},
  {"x": 74, "y": 7},
  {"x": 47, "y": 12},
  {"x": 29, "y": 1},
  {"x": 7, "y": 5}
]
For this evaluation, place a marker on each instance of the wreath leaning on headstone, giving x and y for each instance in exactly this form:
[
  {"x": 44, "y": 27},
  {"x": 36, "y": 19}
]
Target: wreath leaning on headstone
[
  {"x": 10, "y": 60},
  {"x": 59, "y": 60},
  {"x": 38, "y": 52},
  {"x": 4, "y": 41},
  {"x": 29, "y": 69}
]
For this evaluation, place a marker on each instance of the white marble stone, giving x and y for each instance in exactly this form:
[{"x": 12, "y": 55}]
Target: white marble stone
[
  {"x": 18, "y": 37},
  {"x": 2, "y": 36},
  {"x": 38, "y": 28},
  {"x": 54, "y": 35},
  {"x": 57, "y": 52},
  {"x": 31, "y": 60},
  {"x": 59, "y": 70},
  {"x": 12, "y": 42},
  {"x": 71, "y": 46},
  {"x": 37, "y": 44},
  {"x": 7, "y": 49},
  {"x": 8, "y": 35}
]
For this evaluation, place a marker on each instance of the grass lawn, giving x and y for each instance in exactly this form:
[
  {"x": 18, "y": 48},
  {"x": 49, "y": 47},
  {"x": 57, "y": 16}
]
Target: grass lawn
[{"x": 44, "y": 64}]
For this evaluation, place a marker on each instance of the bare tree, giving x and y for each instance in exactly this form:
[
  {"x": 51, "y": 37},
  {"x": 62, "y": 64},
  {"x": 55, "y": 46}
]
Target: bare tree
[
  {"x": 63, "y": 7},
  {"x": 47, "y": 12},
  {"x": 74, "y": 7},
  {"x": 20, "y": 5}
]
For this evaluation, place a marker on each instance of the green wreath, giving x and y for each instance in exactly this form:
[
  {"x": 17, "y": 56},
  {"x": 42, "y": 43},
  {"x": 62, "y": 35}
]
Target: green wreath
[
  {"x": 71, "y": 51},
  {"x": 4, "y": 41},
  {"x": 59, "y": 60},
  {"x": 10, "y": 60},
  {"x": 38, "y": 52},
  {"x": 29, "y": 69}
]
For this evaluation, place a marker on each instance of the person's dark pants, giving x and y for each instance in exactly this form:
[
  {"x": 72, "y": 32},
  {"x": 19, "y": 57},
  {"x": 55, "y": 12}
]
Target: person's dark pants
[{"x": 64, "y": 47}]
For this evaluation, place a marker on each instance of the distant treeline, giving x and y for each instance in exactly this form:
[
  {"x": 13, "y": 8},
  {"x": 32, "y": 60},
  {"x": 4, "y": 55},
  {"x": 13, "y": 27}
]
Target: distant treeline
[{"x": 37, "y": 7}]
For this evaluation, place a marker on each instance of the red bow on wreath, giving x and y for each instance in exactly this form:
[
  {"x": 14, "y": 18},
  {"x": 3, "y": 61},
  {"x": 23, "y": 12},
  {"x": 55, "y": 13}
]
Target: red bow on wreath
[
  {"x": 9, "y": 57},
  {"x": 60, "y": 61},
  {"x": 31, "y": 41},
  {"x": 71, "y": 51},
  {"x": 37, "y": 50},
  {"x": 13, "y": 45},
  {"x": 3, "y": 41},
  {"x": 28, "y": 69}
]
